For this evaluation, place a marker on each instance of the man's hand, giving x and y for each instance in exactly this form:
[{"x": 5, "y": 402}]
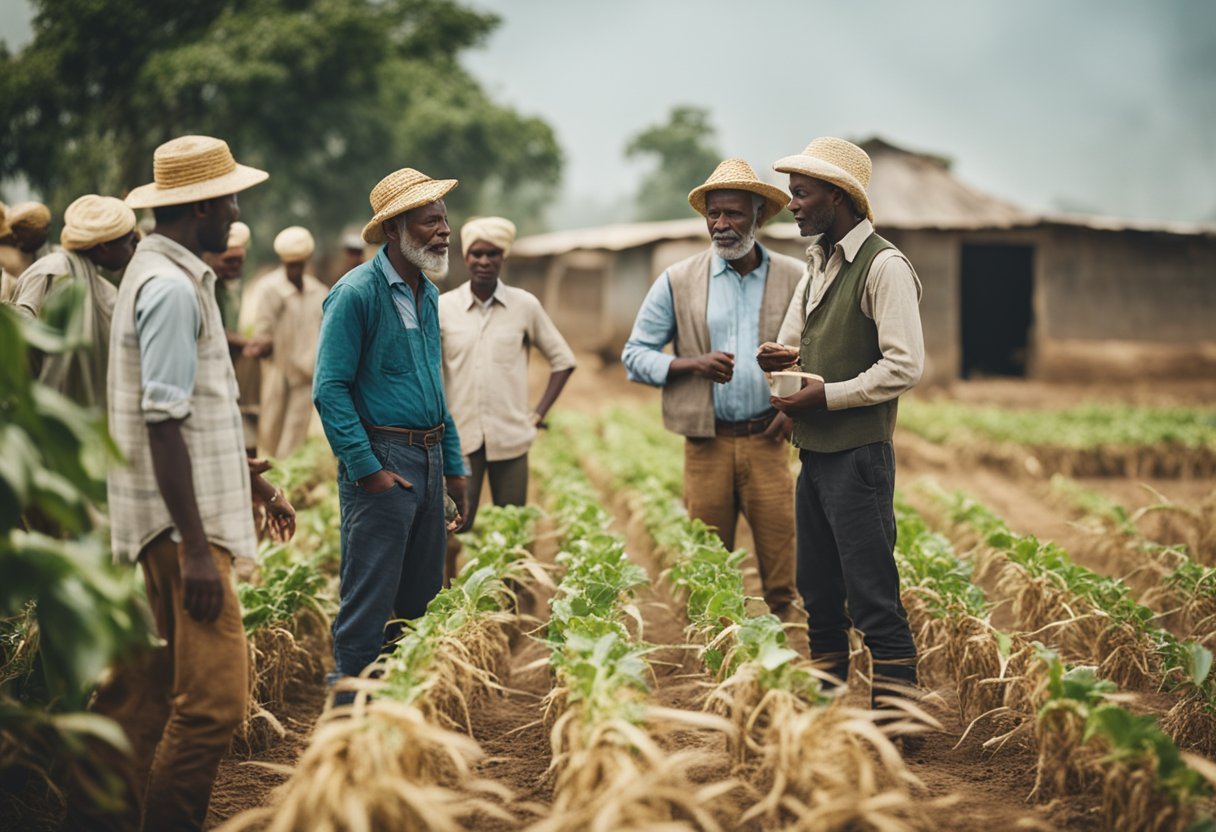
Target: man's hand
[
  {"x": 773, "y": 357},
  {"x": 202, "y": 587},
  {"x": 382, "y": 481},
  {"x": 810, "y": 398},
  {"x": 258, "y": 348},
  {"x": 280, "y": 515},
  {"x": 779, "y": 429},
  {"x": 718, "y": 367},
  {"x": 258, "y": 466},
  {"x": 458, "y": 490}
]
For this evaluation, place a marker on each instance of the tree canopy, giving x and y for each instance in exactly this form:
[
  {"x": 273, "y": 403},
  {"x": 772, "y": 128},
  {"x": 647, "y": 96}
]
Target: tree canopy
[
  {"x": 686, "y": 150},
  {"x": 327, "y": 95}
]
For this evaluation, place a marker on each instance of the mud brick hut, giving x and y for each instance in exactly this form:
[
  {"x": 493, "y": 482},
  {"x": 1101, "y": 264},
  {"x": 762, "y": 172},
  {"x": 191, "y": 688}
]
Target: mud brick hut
[{"x": 1006, "y": 291}]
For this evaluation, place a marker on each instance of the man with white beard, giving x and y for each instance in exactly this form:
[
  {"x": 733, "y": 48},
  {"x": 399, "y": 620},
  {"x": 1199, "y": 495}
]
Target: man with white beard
[
  {"x": 379, "y": 391},
  {"x": 722, "y": 303}
]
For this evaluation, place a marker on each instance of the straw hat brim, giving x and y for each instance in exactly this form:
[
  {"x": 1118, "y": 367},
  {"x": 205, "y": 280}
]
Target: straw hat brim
[
  {"x": 774, "y": 198},
  {"x": 819, "y": 169},
  {"x": 421, "y": 194},
  {"x": 235, "y": 181}
]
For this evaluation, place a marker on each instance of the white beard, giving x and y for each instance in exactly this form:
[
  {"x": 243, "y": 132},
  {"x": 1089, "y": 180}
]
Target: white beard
[
  {"x": 729, "y": 253},
  {"x": 433, "y": 265}
]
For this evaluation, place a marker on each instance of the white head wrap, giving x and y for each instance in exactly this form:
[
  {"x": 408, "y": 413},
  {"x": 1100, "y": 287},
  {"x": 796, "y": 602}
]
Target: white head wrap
[
  {"x": 294, "y": 244},
  {"x": 92, "y": 220},
  {"x": 496, "y": 231},
  {"x": 238, "y": 235}
]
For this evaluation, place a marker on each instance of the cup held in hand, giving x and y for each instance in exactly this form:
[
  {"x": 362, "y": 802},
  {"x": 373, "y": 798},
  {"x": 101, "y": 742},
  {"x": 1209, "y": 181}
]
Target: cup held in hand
[{"x": 789, "y": 382}]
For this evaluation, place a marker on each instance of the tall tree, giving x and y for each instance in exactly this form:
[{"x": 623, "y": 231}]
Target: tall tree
[
  {"x": 686, "y": 153},
  {"x": 328, "y": 95}
]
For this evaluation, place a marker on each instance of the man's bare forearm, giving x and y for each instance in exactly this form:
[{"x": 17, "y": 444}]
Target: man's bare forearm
[
  {"x": 557, "y": 381},
  {"x": 175, "y": 477}
]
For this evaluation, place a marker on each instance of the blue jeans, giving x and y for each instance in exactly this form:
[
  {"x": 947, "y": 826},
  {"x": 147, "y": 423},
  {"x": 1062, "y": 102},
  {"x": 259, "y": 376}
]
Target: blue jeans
[{"x": 392, "y": 550}]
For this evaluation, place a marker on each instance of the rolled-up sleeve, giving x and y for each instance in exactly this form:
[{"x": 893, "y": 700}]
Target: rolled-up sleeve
[
  {"x": 167, "y": 319},
  {"x": 795, "y": 315},
  {"x": 339, "y": 350},
  {"x": 654, "y": 329},
  {"x": 892, "y": 301},
  {"x": 544, "y": 334}
]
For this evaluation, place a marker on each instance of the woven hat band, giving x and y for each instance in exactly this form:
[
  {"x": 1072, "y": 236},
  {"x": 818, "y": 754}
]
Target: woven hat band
[{"x": 176, "y": 170}]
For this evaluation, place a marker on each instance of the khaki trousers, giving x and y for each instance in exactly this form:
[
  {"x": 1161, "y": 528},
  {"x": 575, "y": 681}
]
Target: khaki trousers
[
  {"x": 285, "y": 414},
  {"x": 724, "y": 475},
  {"x": 180, "y": 703}
]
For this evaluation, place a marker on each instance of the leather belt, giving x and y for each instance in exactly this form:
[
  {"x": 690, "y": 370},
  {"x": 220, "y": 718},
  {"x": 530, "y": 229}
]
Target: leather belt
[
  {"x": 749, "y": 427},
  {"x": 425, "y": 438}
]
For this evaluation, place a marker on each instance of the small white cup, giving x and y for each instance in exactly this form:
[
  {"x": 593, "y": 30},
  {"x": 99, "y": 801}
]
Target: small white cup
[{"x": 788, "y": 382}]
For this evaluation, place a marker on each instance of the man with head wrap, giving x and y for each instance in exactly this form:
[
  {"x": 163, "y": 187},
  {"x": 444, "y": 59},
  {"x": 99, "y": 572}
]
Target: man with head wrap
[
  {"x": 24, "y": 229},
  {"x": 487, "y": 329},
  {"x": 98, "y": 233},
  {"x": 285, "y": 334}
]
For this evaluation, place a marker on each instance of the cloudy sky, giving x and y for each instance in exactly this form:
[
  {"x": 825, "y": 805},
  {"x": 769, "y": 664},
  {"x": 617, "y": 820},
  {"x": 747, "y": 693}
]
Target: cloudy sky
[{"x": 1106, "y": 105}]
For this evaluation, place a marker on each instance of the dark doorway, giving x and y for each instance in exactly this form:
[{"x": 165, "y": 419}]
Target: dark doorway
[{"x": 997, "y": 309}]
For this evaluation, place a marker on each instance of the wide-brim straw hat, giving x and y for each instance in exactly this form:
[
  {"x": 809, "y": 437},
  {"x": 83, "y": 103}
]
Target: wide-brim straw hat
[
  {"x": 401, "y": 191},
  {"x": 737, "y": 175},
  {"x": 192, "y": 169},
  {"x": 92, "y": 220},
  {"x": 837, "y": 161}
]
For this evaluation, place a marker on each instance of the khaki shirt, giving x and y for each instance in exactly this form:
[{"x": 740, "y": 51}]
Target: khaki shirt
[
  {"x": 891, "y": 299},
  {"x": 485, "y": 366},
  {"x": 291, "y": 319}
]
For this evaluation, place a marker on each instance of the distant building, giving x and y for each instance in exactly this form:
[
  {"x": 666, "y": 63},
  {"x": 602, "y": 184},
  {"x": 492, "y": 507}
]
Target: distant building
[{"x": 1006, "y": 291}]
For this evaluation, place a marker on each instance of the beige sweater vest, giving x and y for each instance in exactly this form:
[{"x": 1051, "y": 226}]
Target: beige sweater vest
[{"x": 688, "y": 401}]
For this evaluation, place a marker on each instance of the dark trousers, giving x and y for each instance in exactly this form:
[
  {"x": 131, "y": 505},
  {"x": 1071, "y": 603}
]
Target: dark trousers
[
  {"x": 846, "y": 561},
  {"x": 508, "y": 480},
  {"x": 392, "y": 550}
]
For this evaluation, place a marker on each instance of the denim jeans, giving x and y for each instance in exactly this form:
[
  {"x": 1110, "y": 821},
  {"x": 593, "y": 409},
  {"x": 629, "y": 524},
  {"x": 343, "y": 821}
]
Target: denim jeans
[
  {"x": 846, "y": 559},
  {"x": 392, "y": 550}
]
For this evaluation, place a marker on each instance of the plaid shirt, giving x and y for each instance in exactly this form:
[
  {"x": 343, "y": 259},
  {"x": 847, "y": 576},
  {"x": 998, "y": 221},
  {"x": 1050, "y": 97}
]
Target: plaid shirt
[{"x": 212, "y": 428}]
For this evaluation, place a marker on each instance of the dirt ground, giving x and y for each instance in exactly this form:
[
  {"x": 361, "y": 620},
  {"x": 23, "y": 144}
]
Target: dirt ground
[{"x": 988, "y": 791}]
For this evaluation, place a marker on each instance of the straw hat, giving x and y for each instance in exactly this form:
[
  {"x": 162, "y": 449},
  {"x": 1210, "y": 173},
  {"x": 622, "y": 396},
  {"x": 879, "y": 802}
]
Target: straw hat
[
  {"x": 193, "y": 169},
  {"x": 497, "y": 231},
  {"x": 737, "y": 175},
  {"x": 92, "y": 220},
  {"x": 294, "y": 244},
  {"x": 841, "y": 163},
  {"x": 238, "y": 235},
  {"x": 30, "y": 216},
  {"x": 399, "y": 192}
]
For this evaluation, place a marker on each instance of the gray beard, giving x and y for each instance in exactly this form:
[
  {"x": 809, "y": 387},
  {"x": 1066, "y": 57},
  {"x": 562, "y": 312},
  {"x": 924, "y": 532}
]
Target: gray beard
[
  {"x": 729, "y": 253},
  {"x": 433, "y": 265}
]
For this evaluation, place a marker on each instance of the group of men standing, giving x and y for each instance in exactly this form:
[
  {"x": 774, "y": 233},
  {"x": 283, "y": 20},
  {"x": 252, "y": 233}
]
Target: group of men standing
[{"x": 418, "y": 391}]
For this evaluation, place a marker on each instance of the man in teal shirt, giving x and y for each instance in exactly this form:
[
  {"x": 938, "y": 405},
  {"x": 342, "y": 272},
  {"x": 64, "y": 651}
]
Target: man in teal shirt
[{"x": 379, "y": 390}]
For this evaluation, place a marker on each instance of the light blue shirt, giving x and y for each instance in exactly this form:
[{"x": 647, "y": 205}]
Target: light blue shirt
[
  {"x": 403, "y": 299},
  {"x": 167, "y": 320},
  {"x": 733, "y": 316}
]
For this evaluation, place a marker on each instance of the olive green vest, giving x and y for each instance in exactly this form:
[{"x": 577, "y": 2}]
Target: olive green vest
[{"x": 840, "y": 343}]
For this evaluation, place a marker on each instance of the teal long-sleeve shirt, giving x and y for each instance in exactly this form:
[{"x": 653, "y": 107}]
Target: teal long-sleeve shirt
[{"x": 379, "y": 362}]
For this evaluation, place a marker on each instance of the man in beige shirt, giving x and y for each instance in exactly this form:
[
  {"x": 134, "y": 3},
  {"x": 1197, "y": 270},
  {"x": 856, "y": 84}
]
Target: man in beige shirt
[
  {"x": 487, "y": 328},
  {"x": 286, "y": 331},
  {"x": 854, "y": 322}
]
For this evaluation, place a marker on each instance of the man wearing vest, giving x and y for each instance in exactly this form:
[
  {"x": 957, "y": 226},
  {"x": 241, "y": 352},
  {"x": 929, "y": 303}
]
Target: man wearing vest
[
  {"x": 180, "y": 502},
  {"x": 854, "y": 321},
  {"x": 712, "y": 307}
]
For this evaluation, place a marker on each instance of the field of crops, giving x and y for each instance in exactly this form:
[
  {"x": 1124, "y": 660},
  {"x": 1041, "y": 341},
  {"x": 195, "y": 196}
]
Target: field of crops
[{"x": 602, "y": 662}]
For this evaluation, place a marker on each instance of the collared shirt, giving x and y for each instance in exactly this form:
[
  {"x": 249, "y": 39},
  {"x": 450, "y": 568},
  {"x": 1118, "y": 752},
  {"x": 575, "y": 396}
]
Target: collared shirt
[
  {"x": 211, "y": 421},
  {"x": 291, "y": 319},
  {"x": 733, "y": 316},
  {"x": 374, "y": 368},
  {"x": 485, "y": 365},
  {"x": 891, "y": 299}
]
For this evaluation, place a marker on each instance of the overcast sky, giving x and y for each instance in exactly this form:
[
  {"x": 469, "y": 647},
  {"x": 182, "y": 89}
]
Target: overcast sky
[{"x": 1108, "y": 105}]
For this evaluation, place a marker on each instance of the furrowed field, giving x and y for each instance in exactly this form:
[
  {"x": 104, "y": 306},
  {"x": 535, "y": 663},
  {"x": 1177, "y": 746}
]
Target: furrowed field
[{"x": 601, "y": 663}]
